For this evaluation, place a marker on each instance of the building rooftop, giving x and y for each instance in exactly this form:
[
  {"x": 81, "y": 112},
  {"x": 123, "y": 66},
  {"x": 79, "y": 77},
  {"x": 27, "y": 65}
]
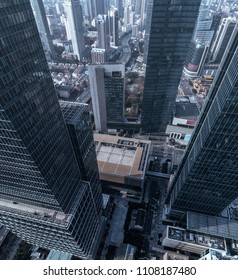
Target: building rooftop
[
  {"x": 125, "y": 252},
  {"x": 185, "y": 108},
  {"x": 212, "y": 225},
  {"x": 57, "y": 255},
  {"x": 120, "y": 157},
  {"x": 138, "y": 219},
  {"x": 37, "y": 212},
  {"x": 73, "y": 111},
  {"x": 170, "y": 255},
  {"x": 180, "y": 134},
  {"x": 191, "y": 239},
  {"x": 116, "y": 232},
  {"x": 98, "y": 50},
  {"x": 179, "y": 129}
]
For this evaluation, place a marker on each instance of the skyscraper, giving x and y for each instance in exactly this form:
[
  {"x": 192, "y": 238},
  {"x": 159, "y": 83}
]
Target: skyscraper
[
  {"x": 128, "y": 15},
  {"x": 107, "y": 83},
  {"x": 75, "y": 20},
  {"x": 101, "y": 7},
  {"x": 43, "y": 198},
  {"x": 169, "y": 29},
  {"x": 195, "y": 60},
  {"x": 207, "y": 179},
  {"x": 143, "y": 11},
  {"x": 42, "y": 26},
  {"x": 80, "y": 129},
  {"x": 113, "y": 26},
  {"x": 138, "y": 7},
  {"x": 98, "y": 7},
  {"x": 98, "y": 55},
  {"x": 222, "y": 37},
  {"x": 102, "y": 23},
  {"x": 206, "y": 25},
  {"x": 120, "y": 9}
]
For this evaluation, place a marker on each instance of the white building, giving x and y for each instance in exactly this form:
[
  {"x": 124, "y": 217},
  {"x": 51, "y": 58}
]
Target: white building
[
  {"x": 98, "y": 55},
  {"x": 75, "y": 20}
]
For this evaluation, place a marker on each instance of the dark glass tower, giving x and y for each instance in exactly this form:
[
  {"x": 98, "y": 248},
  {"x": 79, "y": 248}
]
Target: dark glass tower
[
  {"x": 222, "y": 37},
  {"x": 169, "y": 29},
  {"x": 107, "y": 83},
  {"x": 207, "y": 179},
  {"x": 113, "y": 25},
  {"x": 80, "y": 128},
  {"x": 42, "y": 196}
]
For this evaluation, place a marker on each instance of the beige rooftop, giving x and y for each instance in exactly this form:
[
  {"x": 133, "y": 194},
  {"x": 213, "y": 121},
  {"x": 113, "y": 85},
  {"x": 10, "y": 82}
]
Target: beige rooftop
[{"x": 119, "y": 157}]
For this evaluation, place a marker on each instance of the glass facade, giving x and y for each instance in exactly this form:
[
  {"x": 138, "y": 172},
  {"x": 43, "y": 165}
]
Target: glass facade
[
  {"x": 207, "y": 178},
  {"x": 38, "y": 166},
  {"x": 80, "y": 128},
  {"x": 75, "y": 18},
  {"x": 169, "y": 30},
  {"x": 107, "y": 84},
  {"x": 115, "y": 94}
]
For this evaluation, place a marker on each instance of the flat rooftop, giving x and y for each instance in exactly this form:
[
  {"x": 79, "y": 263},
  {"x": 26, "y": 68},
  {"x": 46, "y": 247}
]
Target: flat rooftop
[
  {"x": 73, "y": 111},
  {"x": 212, "y": 225},
  {"x": 116, "y": 232},
  {"x": 179, "y": 129},
  {"x": 57, "y": 255},
  {"x": 120, "y": 156},
  {"x": 185, "y": 108},
  {"x": 184, "y": 235},
  {"x": 35, "y": 211},
  {"x": 117, "y": 155}
]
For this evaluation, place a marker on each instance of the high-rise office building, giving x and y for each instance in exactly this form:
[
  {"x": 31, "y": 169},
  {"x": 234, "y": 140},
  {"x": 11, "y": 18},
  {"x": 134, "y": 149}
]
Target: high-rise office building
[
  {"x": 195, "y": 60},
  {"x": 113, "y": 26},
  {"x": 92, "y": 9},
  {"x": 85, "y": 9},
  {"x": 98, "y": 7},
  {"x": 98, "y": 56},
  {"x": 207, "y": 178},
  {"x": 102, "y": 7},
  {"x": 103, "y": 39},
  {"x": 120, "y": 8},
  {"x": 138, "y": 7},
  {"x": 128, "y": 15},
  {"x": 67, "y": 27},
  {"x": 75, "y": 20},
  {"x": 107, "y": 83},
  {"x": 143, "y": 11},
  {"x": 42, "y": 25},
  {"x": 43, "y": 197},
  {"x": 59, "y": 7},
  {"x": 80, "y": 127},
  {"x": 221, "y": 38},
  {"x": 52, "y": 23},
  {"x": 169, "y": 29},
  {"x": 206, "y": 26}
]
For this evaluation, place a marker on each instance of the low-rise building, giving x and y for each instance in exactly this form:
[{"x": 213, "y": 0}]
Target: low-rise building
[
  {"x": 186, "y": 111},
  {"x": 193, "y": 242},
  {"x": 170, "y": 255},
  {"x": 122, "y": 165}
]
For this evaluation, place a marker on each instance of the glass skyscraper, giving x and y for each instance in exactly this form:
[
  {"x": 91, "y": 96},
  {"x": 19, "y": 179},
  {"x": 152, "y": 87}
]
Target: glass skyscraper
[
  {"x": 207, "y": 179},
  {"x": 43, "y": 28},
  {"x": 75, "y": 20},
  {"x": 107, "y": 84},
  {"x": 80, "y": 128},
  {"x": 169, "y": 29},
  {"x": 43, "y": 198}
]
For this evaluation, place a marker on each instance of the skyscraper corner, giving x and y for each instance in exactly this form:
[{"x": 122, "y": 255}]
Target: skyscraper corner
[
  {"x": 44, "y": 197},
  {"x": 169, "y": 29}
]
